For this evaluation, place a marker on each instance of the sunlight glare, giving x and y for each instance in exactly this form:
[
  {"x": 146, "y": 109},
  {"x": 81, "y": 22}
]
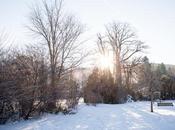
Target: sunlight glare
[{"x": 105, "y": 62}]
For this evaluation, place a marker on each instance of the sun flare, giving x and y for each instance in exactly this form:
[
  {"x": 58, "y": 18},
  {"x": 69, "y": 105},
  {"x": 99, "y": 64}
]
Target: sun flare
[{"x": 105, "y": 62}]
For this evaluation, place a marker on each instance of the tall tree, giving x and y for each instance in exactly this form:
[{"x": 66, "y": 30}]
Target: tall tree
[
  {"x": 123, "y": 42},
  {"x": 59, "y": 34}
]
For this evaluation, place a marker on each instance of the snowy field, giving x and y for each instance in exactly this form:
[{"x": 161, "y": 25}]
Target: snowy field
[{"x": 130, "y": 116}]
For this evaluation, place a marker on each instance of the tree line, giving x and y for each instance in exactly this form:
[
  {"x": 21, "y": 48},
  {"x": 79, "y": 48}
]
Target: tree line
[{"x": 145, "y": 82}]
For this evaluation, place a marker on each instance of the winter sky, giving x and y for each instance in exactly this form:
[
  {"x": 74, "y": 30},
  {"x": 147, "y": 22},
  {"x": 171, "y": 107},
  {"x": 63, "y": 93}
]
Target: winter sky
[{"x": 153, "y": 20}]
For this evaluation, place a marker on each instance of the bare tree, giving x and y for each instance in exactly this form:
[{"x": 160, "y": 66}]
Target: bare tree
[
  {"x": 149, "y": 80},
  {"x": 130, "y": 73},
  {"x": 125, "y": 46},
  {"x": 59, "y": 33},
  {"x": 31, "y": 67},
  {"x": 101, "y": 46}
]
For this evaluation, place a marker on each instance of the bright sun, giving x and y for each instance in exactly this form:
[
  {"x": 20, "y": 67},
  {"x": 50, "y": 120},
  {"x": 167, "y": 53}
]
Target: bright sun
[{"x": 105, "y": 62}]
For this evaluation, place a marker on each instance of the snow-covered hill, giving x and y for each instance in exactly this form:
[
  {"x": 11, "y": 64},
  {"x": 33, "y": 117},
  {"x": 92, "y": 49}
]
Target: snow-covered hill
[{"x": 130, "y": 116}]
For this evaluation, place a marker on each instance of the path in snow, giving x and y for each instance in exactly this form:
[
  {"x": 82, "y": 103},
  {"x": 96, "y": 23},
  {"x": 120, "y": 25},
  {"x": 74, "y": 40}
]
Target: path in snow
[{"x": 130, "y": 116}]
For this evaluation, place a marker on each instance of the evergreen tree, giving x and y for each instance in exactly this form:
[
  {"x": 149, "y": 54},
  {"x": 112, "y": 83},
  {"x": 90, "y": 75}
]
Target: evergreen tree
[
  {"x": 161, "y": 69},
  {"x": 100, "y": 88}
]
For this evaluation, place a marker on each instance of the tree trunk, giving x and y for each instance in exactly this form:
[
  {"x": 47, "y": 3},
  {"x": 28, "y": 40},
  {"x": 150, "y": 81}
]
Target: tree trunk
[
  {"x": 118, "y": 71},
  {"x": 51, "y": 103}
]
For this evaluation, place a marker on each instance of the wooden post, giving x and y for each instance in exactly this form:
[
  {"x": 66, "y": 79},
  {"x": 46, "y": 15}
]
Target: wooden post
[{"x": 151, "y": 101}]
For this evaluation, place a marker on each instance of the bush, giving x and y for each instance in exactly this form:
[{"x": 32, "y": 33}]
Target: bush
[{"x": 100, "y": 88}]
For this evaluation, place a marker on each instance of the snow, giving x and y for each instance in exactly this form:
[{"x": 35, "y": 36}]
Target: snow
[{"x": 129, "y": 116}]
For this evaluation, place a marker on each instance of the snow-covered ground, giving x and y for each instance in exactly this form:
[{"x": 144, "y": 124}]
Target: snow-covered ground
[{"x": 129, "y": 116}]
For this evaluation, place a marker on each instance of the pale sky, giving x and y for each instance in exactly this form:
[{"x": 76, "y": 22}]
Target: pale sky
[{"x": 153, "y": 20}]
